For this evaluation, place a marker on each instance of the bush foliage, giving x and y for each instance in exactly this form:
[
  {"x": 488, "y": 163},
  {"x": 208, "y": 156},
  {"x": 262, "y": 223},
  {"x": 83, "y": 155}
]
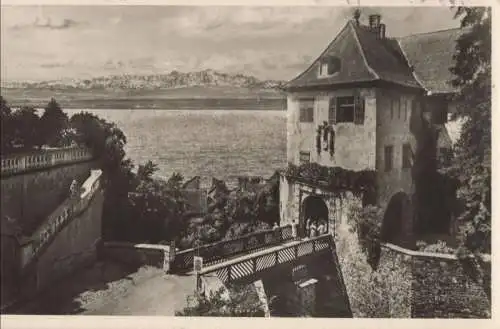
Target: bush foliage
[
  {"x": 239, "y": 302},
  {"x": 366, "y": 222}
]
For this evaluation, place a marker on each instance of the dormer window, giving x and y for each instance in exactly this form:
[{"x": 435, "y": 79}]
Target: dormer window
[
  {"x": 329, "y": 66},
  {"x": 323, "y": 69}
]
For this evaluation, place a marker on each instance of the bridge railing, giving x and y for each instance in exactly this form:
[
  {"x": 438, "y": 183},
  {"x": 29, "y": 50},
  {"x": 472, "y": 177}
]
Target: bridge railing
[
  {"x": 248, "y": 265},
  {"x": 220, "y": 251},
  {"x": 17, "y": 163}
]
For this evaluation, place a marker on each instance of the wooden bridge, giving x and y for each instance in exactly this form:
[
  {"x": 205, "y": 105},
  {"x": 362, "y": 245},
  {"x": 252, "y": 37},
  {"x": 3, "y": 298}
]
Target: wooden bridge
[
  {"x": 228, "y": 249},
  {"x": 250, "y": 266}
]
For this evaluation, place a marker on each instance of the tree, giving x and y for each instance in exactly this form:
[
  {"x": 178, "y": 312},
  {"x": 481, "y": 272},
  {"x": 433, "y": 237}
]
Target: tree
[
  {"x": 105, "y": 139},
  {"x": 157, "y": 210},
  {"x": 472, "y": 163},
  {"x": 26, "y": 125},
  {"x": 267, "y": 201},
  {"x": 107, "y": 143},
  {"x": 146, "y": 171},
  {"x": 7, "y": 126},
  {"x": 54, "y": 125}
]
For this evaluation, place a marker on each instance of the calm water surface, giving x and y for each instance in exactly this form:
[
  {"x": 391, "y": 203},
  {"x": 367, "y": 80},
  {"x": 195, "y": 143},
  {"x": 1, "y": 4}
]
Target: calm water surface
[{"x": 209, "y": 143}]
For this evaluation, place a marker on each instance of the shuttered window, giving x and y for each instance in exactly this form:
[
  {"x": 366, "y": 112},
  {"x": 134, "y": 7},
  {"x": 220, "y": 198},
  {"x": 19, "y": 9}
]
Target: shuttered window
[
  {"x": 345, "y": 109},
  {"x": 359, "y": 111},
  {"x": 332, "y": 111},
  {"x": 349, "y": 109},
  {"x": 306, "y": 108}
]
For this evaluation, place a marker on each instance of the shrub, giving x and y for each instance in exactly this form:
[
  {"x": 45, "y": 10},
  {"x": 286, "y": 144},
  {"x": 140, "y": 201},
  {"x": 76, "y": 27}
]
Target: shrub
[
  {"x": 438, "y": 247},
  {"x": 241, "y": 302},
  {"x": 366, "y": 222}
]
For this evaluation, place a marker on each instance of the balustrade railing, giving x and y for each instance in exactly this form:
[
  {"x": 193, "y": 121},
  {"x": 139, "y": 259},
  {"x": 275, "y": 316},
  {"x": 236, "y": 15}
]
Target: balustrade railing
[
  {"x": 248, "y": 265},
  {"x": 17, "y": 163},
  {"x": 220, "y": 251},
  {"x": 71, "y": 207}
]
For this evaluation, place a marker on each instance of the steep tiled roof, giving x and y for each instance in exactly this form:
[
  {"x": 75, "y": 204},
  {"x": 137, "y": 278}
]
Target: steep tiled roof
[
  {"x": 384, "y": 57},
  {"x": 366, "y": 57},
  {"x": 431, "y": 55},
  {"x": 353, "y": 67}
]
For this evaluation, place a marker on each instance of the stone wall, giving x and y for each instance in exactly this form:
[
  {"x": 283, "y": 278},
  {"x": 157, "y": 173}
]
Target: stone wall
[
  {"x": 74, "y": 246},
  {"x": 354, "y": 144},
  {"x": 393, "y": 129},
  {"x": 293, "y": 193},
  {"x": 136, "y": 255},
  {"x": 444, "y": 287},
  {"x": 67, "y": 240},
  {"x": 408, "y": 284},
  {"x": 32, "y": 195}
]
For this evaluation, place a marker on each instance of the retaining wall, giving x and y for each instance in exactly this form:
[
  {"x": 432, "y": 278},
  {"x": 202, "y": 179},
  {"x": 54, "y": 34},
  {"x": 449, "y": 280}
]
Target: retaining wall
[
  {"x": 33, "y": 185},
  {"x": 137, "y": 254}
]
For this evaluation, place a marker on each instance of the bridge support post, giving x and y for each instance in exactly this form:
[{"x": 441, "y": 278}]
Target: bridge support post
[{"x": 307, "y": 297}]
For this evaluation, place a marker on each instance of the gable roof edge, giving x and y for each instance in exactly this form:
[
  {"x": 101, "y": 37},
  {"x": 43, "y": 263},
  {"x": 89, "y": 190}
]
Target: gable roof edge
[
  {"x": 317, "y": 58},
  {"x": 427, "y": 91},
  {"x": 372, "y": 71}
]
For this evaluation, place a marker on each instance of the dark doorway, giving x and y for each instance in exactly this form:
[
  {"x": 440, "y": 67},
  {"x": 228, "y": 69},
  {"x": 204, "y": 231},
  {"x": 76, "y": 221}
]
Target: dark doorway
[
  {"x": 315, "y": 209},
  {"x": 396, "y": 214}
]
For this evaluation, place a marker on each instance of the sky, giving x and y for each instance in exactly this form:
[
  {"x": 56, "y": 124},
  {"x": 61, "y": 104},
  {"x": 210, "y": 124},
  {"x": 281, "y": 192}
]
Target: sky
[{"x": 76, "y": 42}]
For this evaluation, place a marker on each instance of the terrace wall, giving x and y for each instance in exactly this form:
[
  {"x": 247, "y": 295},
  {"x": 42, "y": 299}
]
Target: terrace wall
[
  {"x": 33, "y": 185},
  {"x": 411, "y": 284}
]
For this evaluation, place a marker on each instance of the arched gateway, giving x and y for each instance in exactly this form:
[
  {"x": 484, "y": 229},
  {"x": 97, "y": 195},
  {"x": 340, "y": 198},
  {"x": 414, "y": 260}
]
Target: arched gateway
[{"x": 315, "y": 209}]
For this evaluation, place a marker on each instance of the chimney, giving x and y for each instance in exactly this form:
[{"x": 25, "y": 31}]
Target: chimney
[
  {"x": 381, "y": 33},
  {"x": 374, "y": 21},
  {"x": 376, "y": 26}
]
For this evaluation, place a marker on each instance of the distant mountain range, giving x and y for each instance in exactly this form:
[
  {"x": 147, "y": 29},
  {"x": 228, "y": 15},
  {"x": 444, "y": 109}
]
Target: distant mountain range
[{"x": 172, "y": 80}]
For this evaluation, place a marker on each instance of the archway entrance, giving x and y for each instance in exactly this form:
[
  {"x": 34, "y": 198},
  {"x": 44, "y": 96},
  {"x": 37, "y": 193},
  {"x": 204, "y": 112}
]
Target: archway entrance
[
  {"x": 396, "y": 213},
  {"x": 315, "y": 210}
]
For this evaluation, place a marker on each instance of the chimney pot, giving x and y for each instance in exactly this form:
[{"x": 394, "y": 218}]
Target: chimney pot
[
  {"x": 374, "y": 21},
  {"x": 382, "y": 31}
]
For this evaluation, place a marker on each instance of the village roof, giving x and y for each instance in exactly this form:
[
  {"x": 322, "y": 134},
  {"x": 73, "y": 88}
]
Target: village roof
[{"x": 418, "y": 61}]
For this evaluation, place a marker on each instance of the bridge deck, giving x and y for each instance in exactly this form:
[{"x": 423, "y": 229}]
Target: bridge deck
[
  {"x": 252, "y": 263},
  {"x": 239, "y": 258}
]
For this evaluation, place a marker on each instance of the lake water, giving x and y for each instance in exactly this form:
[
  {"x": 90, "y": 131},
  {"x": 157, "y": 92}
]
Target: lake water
[{"x": 208, "y": 143}]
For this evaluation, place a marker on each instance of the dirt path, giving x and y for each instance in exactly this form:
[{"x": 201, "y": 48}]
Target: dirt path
[
  {"x": 159, "y": 295},
  {"x": 111, "y": 289}
]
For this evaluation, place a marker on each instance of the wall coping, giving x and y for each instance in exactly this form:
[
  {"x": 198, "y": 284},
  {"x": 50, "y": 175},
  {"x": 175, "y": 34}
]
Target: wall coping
[
  {"x": 426, "y": 254},
  {"x": 41, "y": 159},
  {"x": 64, "y": 213},
  {"x": 118, "y": 244}
]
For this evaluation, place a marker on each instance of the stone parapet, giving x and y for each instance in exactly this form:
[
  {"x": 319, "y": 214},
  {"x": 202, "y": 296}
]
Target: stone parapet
[{"x": 43, "y": 159}]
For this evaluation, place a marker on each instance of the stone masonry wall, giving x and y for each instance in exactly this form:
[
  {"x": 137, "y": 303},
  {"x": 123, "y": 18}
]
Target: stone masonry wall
[
  {"x": 442, "y": 288},
  {"x": 136, "y": 254},
  {"x": 30, "y": 197},
  {"x": 409, "y": 283},
  {"x": 75, "y": 245},
  {"x": 393, "y": 129},
  {"x": 382, "y": 293}
]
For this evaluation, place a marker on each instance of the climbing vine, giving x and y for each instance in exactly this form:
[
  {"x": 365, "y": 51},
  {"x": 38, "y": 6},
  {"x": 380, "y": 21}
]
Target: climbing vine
[
  {"x": 325, "y": 138},
  {"x": 334, "y": 179}
]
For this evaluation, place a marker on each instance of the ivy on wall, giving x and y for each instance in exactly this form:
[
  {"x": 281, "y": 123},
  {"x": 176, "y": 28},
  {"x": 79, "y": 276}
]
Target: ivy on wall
[
  {"x": 366, "y": 222},
  {"x": 325, "y": 138},
  {"x": 334, "y": 179}
]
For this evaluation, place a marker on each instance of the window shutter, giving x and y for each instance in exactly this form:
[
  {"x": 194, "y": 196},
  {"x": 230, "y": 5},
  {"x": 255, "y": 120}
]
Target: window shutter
[
  {"x": 359, "y": 110},
  {"x": 332, "y": 110}
]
